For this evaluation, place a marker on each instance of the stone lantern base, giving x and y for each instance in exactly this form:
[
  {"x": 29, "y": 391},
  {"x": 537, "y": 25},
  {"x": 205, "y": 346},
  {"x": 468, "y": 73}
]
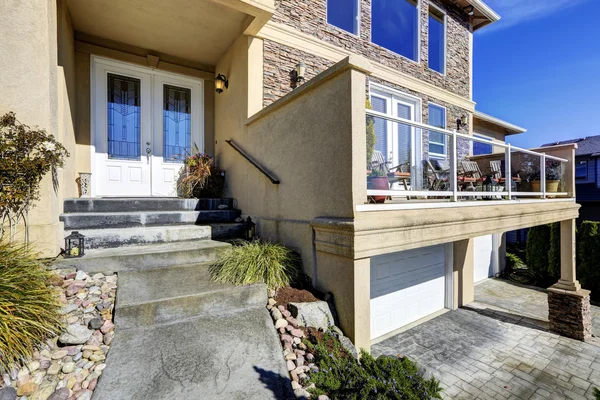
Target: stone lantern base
[{"x": 570, "y": 313}]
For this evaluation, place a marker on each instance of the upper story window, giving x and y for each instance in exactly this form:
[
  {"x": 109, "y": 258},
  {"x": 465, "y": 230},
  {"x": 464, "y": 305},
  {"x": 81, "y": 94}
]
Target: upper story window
[
  {"x": 437, "y": 40},
  {"x": 395, "y": 26},
  {"x": 344, "y": 14},
  {"x": 437, "y": 140},
  {"x": 581, "y": 172},
  {"x": 482, "y": 148}
]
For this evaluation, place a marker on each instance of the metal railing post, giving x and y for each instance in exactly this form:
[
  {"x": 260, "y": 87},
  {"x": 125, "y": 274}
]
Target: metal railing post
[
  {"x": 454, "y": 168},
  {"x": 508, "y": 172},
  {"x": 543, "y": 175}
]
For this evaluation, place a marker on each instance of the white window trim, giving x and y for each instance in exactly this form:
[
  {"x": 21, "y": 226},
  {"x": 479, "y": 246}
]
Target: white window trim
[
  {"x": 445, "y": 57},
  {"x": 357, "y": 18},
  {"x": 445, "y": 144},
  {"x": 418, "y": 44}
]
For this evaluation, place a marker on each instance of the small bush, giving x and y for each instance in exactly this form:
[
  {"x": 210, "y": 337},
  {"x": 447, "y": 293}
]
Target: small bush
[
  {"x": 597, "y": 393},
  {"x": 28, "y": 305},
  {"x": 588, "y": 255},
  {"x": 543, "y": 251},
  {"x": 254, "y": 262},
  {"x": 343, "y": 377},
  {"x": 513, "y": 262}
]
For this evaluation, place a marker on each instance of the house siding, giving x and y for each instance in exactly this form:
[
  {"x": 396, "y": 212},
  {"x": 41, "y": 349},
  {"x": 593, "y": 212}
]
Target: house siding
[{"x": 310, "y": 17}]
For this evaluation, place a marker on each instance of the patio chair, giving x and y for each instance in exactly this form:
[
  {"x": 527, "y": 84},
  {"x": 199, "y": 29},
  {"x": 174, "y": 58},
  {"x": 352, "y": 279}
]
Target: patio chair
[
  {"x": 469, "y": 174},
  {"x": 395, "y": 174},
  {"x": 499, "y": 174},
  {"x": 437, "y": 178}
]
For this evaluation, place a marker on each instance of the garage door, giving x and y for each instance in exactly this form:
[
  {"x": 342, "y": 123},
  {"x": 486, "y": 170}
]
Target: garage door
[
  {"x": 405, "y": 287},
  {"x": 483, "y": 258}
]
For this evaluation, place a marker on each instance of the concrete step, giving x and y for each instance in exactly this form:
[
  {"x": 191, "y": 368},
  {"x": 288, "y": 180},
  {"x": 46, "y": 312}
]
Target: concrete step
[
  {"x": 145, "y": 257},
  {"x": 230, "y": 355},
  {"x": 93, "y": 220},
  {"x": 112, "y": 238},
  {"x": 168, "y": 295},
  {"x": 98, "y": 205},
  {"x": 228, "y": 230}
]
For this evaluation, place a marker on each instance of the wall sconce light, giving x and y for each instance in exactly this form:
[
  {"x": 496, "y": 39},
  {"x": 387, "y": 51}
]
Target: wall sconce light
[
  {"x": 462, "y": 121},
  {"x": 221, "y": 83},
  {"x": 470, "y": 10},
  {"x": 300, "y": 71}
]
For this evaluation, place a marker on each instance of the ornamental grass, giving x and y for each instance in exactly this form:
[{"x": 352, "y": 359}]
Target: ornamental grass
[
  {"x": 256, "y": 262},
  {"x": 29, "y": 306}
]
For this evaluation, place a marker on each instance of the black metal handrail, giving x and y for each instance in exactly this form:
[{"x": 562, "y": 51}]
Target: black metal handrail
[{"x": 273, "y": 180}]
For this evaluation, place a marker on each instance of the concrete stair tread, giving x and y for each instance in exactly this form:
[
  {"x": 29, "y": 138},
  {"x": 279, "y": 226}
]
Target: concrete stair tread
[
  {"x": 233, "y": 355},
  {"x": 109, "y": 204},
  {"x": 138, "y": 287},
  {"x": 154, "y": 248}
]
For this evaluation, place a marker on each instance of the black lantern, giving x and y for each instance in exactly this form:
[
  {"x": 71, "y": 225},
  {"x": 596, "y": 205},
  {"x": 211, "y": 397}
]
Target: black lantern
[
  {"x": 250, "y": 229},
  {"x": 74, "y": 245}
]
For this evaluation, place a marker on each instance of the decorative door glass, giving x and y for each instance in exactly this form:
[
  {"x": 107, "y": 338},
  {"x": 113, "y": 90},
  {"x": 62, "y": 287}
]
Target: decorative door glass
[
  {"x": 123, "y": 117},
  {"x": 177, "y": 120}
]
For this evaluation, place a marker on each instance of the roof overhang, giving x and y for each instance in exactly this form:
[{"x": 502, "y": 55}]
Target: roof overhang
[
  {"x": 483, "y": 14},
  {"x": 509, "y": 129}
]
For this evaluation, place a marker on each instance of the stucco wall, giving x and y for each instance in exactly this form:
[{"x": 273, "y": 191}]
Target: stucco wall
[{"x": 310, "y": 17}]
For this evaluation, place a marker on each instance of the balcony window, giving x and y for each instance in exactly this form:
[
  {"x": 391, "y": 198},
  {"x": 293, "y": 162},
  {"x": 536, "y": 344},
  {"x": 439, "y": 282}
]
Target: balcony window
[
  {"x": 581, "y": 172},
  {"x": 437, "y": 40},
  {"x": 437, "y": 141},
  {"x": 482, "y": 148},
  {"x": 395, "y": 26},
  {"x": 344, "y": 14}
]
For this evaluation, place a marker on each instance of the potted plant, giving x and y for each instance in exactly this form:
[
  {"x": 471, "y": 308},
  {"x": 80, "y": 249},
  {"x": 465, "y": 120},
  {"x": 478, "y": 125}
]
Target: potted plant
[
  {"x": 201, "y": 178},
  {"x": 553, "y": 170},
  {"x": 378, "y": 180}
]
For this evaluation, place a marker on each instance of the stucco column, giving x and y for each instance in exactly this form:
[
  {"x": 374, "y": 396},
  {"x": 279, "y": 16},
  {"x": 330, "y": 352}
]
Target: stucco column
[
  {"x": 569, "y": 310},
  {"x": 464, "y": 278},
  {"x": 349, "y": 281}
]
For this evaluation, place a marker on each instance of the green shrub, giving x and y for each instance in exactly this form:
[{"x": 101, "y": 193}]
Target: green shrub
[
  {"x": 537, "y": 249},
  {"x": 597, "y": 393},
  {"x": 342, "y": 377},
  {"x": 254, "y": 262},
  {"x": 28, "y": 305},
  {"x": 513, "y": 262},
  {"x": 554, "y": 252},
  {"x": 588, "y": 255}
]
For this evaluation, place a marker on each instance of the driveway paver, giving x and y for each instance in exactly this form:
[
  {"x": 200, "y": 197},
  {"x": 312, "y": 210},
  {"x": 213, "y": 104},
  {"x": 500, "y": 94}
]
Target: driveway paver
[{"x": 485, "y": 352}]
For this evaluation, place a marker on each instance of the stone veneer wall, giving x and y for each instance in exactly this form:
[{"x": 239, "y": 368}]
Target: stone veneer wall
[
  {"x": 570, "y": 313},
  {"x": 310, "y": 17}
]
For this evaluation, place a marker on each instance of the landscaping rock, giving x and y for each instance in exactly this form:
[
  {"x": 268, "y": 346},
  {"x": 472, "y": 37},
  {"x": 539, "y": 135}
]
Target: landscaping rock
[
  {"x": 281, "y": 323},
  {"x": 60, "y": 394},
  {"x": 76, "y": 334},
  {"x": 337, "y": 330},
  {"x": 8, "y": 393},
  {"x": 323, "y": 397},
  {"x": 290, "y": 365},
  {"x": 301, "y": 394},
  {"x": 348, "y": 346},
  {"x": 27, "y": 389},
  {"x": 314, "y": 314},
  {"x": 96, "y": 323},
  {"x": 276, "y": 314}
]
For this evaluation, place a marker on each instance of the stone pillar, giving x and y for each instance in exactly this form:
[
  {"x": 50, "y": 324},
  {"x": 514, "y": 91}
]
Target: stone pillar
[
  {"x": 464, "y": 273},
  {"x": 569, "y": 310}
]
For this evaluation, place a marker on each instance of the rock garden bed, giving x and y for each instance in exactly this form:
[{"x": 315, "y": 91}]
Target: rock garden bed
[{"x": 68, "y": 366}]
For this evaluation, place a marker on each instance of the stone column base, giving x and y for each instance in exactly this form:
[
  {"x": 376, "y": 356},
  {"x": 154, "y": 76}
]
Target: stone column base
[{"x": 570, "y": 313}]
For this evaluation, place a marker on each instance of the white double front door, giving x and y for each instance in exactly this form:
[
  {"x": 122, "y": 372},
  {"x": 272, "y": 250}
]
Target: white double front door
[{"x": 144, "y": 123}]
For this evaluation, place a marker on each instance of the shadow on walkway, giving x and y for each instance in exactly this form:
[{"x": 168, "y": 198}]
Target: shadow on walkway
[
  {"x": 510, "y": 318},
  {"x": 280, "y": 386}
]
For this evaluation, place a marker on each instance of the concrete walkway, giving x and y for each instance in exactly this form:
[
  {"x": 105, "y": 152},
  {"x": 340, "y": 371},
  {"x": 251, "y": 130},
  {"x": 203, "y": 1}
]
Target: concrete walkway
[
  {"x": 485, "y": 351},
  {"x": 180, "y": 336}
]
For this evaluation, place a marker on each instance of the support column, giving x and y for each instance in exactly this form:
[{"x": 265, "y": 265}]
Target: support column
[
  {"x": 568, "y": 304},
  {"x": 464, "y": 273}
]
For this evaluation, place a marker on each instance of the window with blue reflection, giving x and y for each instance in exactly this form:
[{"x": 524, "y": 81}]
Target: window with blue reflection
[
  {"x": 177, "y": 123},
  {"x": 437, "y": 45},
  {"x": 123, "y": 117},
  {"x": 343, "y": 14},
  {"x": 581, "y": 171},
  {"x": 480, "y": 148},
  {"x": 437, "y": 140},
  {"x": 395, "y": 26}
]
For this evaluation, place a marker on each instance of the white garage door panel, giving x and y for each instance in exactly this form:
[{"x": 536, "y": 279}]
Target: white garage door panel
[
  {"x": 483, "y": 258},
  {"x": 405, "y": 287}
]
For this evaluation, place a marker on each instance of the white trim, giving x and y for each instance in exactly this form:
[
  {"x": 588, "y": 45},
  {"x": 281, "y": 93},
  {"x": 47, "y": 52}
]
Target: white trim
[
  {"x": 418, "y": 38},
  {"x": 445, "y": 44},
  {"x": 485, "y": 10},
  {"x": 357, "y": 18},
  {"x": 470, "y": 61},
  {"x": 438, "y": 156},
  {"x": 478, "y": 203},
  {"x": 449, "y": 253}
]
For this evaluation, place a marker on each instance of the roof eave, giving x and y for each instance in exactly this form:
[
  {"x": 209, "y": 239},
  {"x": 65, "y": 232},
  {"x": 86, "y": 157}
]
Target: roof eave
[
  {"x": 510, "y": 129},
  {"x": 490, "y": 16}
]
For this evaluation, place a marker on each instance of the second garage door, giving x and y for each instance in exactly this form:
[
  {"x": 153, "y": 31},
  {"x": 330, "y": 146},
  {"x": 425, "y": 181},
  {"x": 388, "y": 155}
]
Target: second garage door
[
  {"x": 483, "y": 267},
  {"x": 405, "y": 287}
]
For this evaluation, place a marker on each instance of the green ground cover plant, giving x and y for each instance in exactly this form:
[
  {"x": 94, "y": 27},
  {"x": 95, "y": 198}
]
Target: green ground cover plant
[
  {"x": 341, "y": 376},
  {"x": 28, "y": 305},
  {"x": 255, "y": 262}
]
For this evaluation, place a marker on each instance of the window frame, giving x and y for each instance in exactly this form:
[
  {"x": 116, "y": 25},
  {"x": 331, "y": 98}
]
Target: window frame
[
  {"x": 438, "y": 156},
  {"x": 582, "y": 162},
  {"x": 418, "y": 38},
  {"x": 480, "y": 136},
  {"x": 357, "y": 19},
  {"x": 445, "y": 39}
]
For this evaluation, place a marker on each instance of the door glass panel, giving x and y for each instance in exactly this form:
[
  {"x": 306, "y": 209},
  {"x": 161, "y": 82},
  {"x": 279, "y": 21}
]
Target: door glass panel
[
  {"x": 404, "y": 142},
  {"x": 123, "y": 117},
  {"x": 381, "y": 127},
  {"x": 177, "y": 120}
]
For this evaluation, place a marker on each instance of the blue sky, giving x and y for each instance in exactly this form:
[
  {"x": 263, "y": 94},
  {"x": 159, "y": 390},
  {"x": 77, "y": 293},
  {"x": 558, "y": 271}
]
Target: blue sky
[{"x": 539, "y": 68}]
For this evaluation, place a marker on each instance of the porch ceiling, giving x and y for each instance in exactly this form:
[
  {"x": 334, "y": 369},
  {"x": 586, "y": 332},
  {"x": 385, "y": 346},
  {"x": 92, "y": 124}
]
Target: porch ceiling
[{"x": 196, "y": 30}]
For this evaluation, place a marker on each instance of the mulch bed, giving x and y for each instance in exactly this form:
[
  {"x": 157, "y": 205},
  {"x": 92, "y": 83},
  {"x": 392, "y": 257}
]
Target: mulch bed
[{"x": 291, "y": 295}]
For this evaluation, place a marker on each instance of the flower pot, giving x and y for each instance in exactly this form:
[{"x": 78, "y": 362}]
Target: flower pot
[
  {"x": 551, "y": 186},
  {"x": 378, "y": 183},
  {"x": 214, "y": 187}
]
